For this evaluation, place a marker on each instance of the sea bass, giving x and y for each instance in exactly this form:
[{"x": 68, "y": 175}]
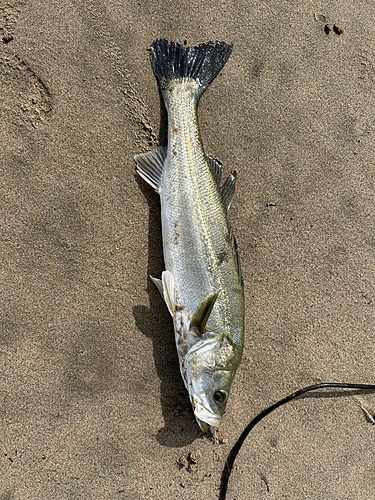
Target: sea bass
[{"x": 202, "y": 284}]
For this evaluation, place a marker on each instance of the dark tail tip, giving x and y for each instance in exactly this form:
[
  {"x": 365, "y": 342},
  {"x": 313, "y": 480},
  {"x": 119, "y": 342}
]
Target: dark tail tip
[{"x": 202, "y": 63}]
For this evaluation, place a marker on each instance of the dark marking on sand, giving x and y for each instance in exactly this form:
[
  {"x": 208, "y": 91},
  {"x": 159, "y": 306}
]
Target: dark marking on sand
[
  {"x": 7, "y": 38},
  {"x": 327, "y": 29},
  {"x": 273, "y": 441},
  {"x": 337, "y": 30},
  {"x": 257, "y": 68},
  {"x": 266, "y": 483}
]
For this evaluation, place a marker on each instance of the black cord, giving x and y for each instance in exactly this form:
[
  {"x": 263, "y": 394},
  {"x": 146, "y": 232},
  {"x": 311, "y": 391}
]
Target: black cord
[{"x": 236, "y": 448}]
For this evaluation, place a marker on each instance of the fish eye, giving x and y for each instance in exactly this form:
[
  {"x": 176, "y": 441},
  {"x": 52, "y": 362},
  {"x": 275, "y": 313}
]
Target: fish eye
[{"x": 220, "y": 396}]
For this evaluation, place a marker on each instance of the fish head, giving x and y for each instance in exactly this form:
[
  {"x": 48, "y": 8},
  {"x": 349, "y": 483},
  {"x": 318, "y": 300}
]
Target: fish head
[
  {"x": 209, "y": 373},
  {"x": 209, "y": 397}
]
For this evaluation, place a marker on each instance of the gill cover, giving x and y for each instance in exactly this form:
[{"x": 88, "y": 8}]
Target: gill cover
[{"x": 209, "y": 368}]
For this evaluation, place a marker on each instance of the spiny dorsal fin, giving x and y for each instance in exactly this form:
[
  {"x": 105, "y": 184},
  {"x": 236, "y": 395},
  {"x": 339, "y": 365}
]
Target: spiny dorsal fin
[
  {"x": 216, "y": 169},
  {"x": 227, "y": 190},
  {"x": 202, "y": 313},
  {"x": 150, "y": 166}
]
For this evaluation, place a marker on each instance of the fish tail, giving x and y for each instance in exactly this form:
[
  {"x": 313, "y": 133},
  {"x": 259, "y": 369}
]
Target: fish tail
[{"x": 203, "y": 63}]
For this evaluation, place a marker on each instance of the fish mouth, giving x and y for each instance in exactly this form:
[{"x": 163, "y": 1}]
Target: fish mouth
[{"x": 205, "y": 418}]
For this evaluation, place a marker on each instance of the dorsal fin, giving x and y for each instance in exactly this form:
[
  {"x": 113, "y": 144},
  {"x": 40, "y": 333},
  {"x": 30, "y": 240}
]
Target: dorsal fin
[
  {"x": 202, "y": 313},
  {"x": 216, "y": 168}
]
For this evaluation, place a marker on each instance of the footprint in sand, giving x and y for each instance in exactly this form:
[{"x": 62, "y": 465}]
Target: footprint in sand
[{"x": 26, "y": 100}]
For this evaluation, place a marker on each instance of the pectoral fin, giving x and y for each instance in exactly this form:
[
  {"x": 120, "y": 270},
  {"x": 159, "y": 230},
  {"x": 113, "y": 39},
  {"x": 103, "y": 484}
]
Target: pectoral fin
[
  {"x": 166, "y": 289},
  {"x": 202, "y": 313},
  {"x": 159, "y": 285}
]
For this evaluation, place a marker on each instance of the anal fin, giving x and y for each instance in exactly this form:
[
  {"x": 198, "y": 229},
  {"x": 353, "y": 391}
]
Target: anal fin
[
  {"x": 216, "y": 168},
  {"x": 227, "y": 190},
  {"x": 150, "y": 166}
]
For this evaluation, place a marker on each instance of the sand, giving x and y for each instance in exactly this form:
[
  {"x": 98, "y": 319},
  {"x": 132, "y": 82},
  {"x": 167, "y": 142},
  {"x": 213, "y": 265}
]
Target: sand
[{"x": 92, "y": 402}]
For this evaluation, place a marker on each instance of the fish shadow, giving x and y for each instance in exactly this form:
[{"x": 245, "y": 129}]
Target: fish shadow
[
  {"x": 180, "y": 427},
  {"x": 163, "y": 129}
]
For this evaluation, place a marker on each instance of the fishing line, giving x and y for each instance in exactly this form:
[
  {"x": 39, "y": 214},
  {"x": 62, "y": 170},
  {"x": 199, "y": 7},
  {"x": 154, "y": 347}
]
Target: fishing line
[{"x": 237, "y": 446}]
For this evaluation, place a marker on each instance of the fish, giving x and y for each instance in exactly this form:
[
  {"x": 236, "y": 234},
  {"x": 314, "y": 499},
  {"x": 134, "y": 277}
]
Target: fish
[{"x": 202, "y": 283}]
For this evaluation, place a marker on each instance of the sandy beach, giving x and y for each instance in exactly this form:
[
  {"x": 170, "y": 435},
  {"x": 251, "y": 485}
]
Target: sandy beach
[{"x": 92, "y": 402}]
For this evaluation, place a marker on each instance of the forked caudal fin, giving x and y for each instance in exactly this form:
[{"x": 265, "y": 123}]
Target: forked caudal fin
[{"x": 203, "y": 63}]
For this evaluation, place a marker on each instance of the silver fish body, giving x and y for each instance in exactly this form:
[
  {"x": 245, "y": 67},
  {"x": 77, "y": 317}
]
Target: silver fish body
[{"x": 202, "y": 284}]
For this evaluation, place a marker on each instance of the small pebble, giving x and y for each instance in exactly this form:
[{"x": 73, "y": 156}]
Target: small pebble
[
  {"x": 195, "y": 456},
  {"x": 182, "y": 462}
]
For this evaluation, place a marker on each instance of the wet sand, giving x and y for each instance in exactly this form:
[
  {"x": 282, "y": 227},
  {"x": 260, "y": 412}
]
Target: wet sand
[{"x": 92, "y": 402}]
